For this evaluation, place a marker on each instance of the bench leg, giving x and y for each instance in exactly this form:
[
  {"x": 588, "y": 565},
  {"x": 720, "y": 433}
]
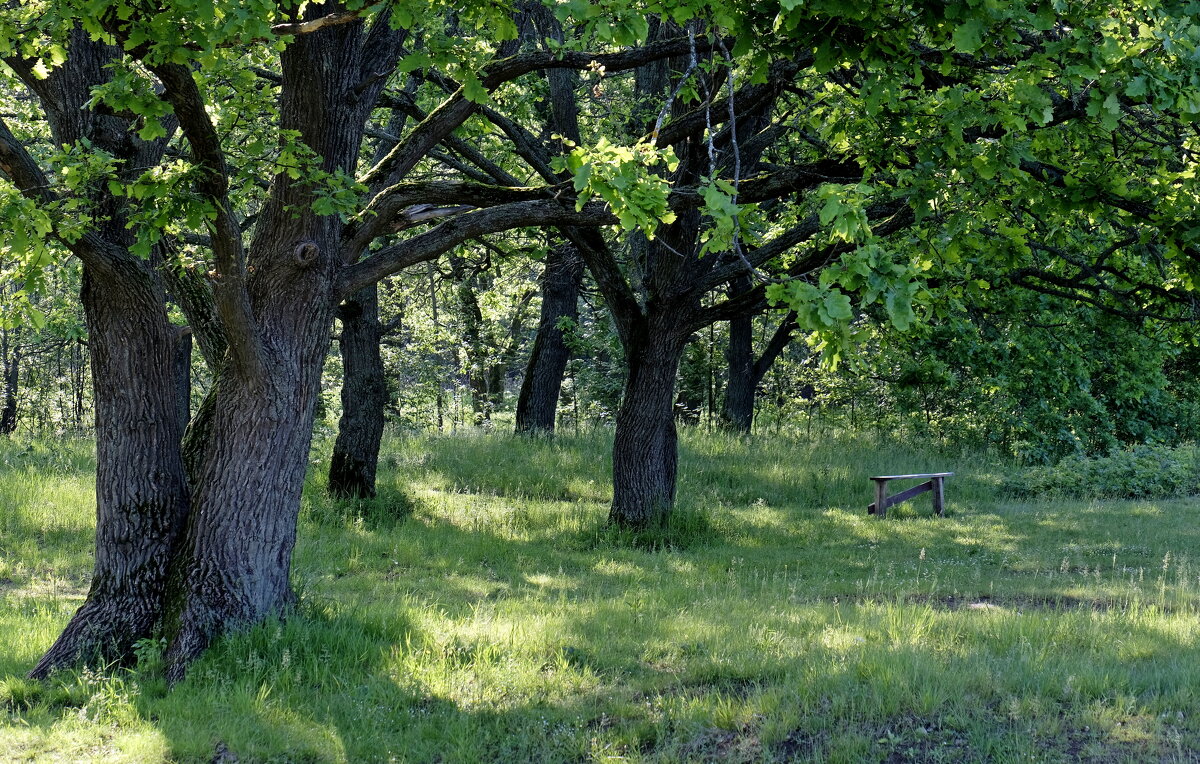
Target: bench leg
[
  {"x": 881, "y": 498},
  {"x": 939, "y": 497}
]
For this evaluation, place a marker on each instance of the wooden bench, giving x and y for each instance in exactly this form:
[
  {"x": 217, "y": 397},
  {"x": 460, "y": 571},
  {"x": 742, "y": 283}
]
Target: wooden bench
[{"x": 933, "y": 482}]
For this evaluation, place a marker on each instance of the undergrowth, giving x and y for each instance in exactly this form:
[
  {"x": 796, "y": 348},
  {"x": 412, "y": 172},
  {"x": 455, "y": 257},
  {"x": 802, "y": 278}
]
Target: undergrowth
[{"x": 1140, "y": 472}]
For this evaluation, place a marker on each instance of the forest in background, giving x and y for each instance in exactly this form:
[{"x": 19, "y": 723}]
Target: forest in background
[{"x": 456, "y": 342}]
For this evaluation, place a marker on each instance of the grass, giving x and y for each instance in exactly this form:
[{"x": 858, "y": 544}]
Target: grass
[{"x": 480, "y": 611}]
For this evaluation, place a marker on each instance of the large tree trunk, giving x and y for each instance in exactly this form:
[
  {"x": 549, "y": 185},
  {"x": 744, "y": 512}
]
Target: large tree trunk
[
  {"x": 252, "y": 454},
  {"x": 537, "y": 403},
  {"x": 141, "y": 490},
  {"x": 364, "y": 396},
  {"x": 250, "y": 466},
  {"x": 141, "y": 493},
  {"x": 645, "y": 446}
]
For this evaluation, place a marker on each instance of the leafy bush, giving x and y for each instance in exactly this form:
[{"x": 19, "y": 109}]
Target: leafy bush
[{"x": 1142, "y": 472}]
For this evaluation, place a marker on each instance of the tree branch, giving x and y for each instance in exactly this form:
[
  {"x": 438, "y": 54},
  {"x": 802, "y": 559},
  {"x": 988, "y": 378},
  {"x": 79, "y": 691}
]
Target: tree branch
[
  {"x": 23, "y": 171},
  {"x": 229, "y": 283},
  {"x": 391, "y": 202},
  {"x": 775, "y": 347},
  {"x": 405, "y": 104},
  {"x": 313, "y": 25},
  {"x": 430, "y": 244},
  {"x": 456, "y": 108}
]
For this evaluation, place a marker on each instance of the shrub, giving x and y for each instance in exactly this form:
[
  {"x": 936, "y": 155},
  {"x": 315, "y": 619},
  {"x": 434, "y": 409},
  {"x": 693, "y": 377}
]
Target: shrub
[{"x": 1141, "y": 472}]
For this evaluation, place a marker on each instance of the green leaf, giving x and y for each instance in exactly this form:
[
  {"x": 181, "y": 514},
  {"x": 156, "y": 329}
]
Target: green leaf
[
  {"x": 837, "y": 306},
  {"x": 899, "y": 309},
  {"x": 831, "y": 210},
  {"x": 985, "y": 168},
  {"x": 37, "y": 319},
  {"x": 414, "y": 61},
  {"x": 151, "y": 130},
  {"x": 968, "y": 37},
  {"x": 474, "y": 91}
]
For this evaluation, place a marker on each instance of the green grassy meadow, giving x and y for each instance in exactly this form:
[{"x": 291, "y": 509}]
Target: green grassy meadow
[{"x": 479, "y": 610}]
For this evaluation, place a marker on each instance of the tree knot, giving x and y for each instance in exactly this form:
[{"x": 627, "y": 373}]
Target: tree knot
[{"x": 305, "y": 253}]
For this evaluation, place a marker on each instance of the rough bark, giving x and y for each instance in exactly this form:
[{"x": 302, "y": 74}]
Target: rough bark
[
  {"x": 141, "y": 493},
  {"x": 364, "y": 396},
  {"x": 238, "y": 548},
  {"x": 645, "y": 446},
  {"x": 257, "y": 424},
  {"x": 537, "y": 403}
]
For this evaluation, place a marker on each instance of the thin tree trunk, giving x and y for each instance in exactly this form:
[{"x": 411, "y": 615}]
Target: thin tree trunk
[
  {"x": 182, "y": 363},
  {"x": 737, "y": 413},
  {"x": 645, "y": 446},
  {"x": 472, "y": 318},
  {"x": 141, "y": 493},
  {"x": 78, "y": 381},
  {"x": 746, "y": 373},
  {"x": 11, "y": 370},
  {"x": 689, "y": 401},
  {"x": 364, "y": 396},
  {"x": 537, "y": 403}
]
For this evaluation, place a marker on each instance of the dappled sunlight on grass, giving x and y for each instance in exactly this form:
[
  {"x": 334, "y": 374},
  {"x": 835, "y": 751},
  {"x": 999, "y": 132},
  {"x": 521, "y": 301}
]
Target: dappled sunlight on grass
[{"x": 479, "y": 610}]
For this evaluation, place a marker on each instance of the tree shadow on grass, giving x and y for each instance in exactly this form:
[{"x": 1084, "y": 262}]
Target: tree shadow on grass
[
  {"x": 670, "y": 651},
  {"x": 335, "y": 687},
  {"x": 674, "y": 654}
]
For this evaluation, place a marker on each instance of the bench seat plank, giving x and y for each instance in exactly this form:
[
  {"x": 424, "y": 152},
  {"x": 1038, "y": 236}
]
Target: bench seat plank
[{"x": 906, "y": 477}]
